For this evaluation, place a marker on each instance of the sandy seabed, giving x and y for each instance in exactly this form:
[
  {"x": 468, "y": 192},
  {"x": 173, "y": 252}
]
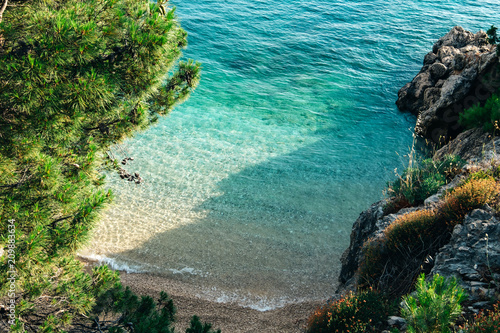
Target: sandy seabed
[{"x": 229, "y": 317}]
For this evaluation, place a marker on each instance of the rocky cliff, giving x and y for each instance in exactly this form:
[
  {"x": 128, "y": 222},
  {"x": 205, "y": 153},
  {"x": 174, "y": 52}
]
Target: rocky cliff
[{"x": 461, "y": 70}]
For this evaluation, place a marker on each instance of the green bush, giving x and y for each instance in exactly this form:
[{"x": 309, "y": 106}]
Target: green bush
[
  {"x": 486, "y": 322},
  {"x": 366, "y": 311},
  {"x": 435, "y": 307},
  {"x": 418, "y": 183},
  {"x": 197, "y": 327},
  {"x": 485, "y": 116},
  {"x": 492, "y": 35}
]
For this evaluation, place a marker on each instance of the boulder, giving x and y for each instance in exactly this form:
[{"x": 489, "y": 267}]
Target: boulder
[
  {"x": 437, "y": 71},
  {"x": 362, "y": 230},
  {"x": 473, "y": 145}
]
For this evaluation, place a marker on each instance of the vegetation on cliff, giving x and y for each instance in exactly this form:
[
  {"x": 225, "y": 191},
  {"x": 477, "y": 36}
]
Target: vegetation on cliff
[
  {"x": 404, "y": 246},
  {"x": 487, "y": 115},
  {"x": 75, "y": 78}
]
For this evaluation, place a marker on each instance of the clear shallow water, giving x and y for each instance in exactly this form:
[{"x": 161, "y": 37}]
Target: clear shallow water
[{"x": 253, "y": 184}]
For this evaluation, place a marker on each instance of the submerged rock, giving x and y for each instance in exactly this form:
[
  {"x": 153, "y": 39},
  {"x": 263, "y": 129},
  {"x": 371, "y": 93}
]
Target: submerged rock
[{"x": 461, "y": 71}]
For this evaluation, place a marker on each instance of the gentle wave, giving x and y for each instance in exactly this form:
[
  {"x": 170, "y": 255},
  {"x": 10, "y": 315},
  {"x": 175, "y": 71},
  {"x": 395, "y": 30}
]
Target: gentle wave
[{"x": 253, "y": 184}]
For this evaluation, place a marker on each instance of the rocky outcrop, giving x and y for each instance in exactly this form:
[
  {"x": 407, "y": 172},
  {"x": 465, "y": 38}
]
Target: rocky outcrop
[
  {"x": 473, "y": 256},
  {"x": 473, "y": 145},
  {"x": 363, "y": 229},
  {"x": 459, "y": 72},
  {"x": 369, "y": 226}
]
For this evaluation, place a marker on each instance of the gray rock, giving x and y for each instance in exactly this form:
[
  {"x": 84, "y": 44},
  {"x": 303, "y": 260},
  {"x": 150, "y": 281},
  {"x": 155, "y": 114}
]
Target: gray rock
[
  {"x": 395, "y": 321},
  {"x": 459, "y": 62},
  {"x": 430, "y": 58},
  {"x": 472, "y": 254},
  {"x": 473, "y": 145},
  {"x": 363, "y": 228},
  {"x": 432, "y": 95},
  {"x": 438, "y": 70},
  {"x": 481, "y": 305},
  {"x": 468, "y": 65}
]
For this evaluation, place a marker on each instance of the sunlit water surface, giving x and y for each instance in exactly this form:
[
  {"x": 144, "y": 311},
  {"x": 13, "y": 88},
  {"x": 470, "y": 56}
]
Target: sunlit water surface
[{"x": 252, "y": 185}]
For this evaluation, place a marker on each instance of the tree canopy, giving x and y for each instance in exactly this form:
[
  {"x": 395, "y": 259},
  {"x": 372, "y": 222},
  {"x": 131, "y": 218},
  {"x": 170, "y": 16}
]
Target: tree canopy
[{"x": 76, "y": 77}]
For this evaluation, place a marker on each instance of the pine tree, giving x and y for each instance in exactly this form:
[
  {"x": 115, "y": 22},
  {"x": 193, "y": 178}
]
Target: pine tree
[{"x": 76, "y": 76}]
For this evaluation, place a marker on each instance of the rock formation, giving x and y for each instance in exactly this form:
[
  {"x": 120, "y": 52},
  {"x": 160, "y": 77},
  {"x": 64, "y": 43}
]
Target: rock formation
[
  {"x": 473, "y": 255},
  {"x": 459, "y": 72}
]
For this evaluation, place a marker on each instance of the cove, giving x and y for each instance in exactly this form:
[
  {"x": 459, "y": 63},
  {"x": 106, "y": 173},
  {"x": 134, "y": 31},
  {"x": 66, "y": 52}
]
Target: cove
[{"x": 252, "y": 186}]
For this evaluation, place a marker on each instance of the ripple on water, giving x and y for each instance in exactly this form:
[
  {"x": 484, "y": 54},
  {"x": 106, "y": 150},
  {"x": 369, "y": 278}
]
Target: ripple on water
[{"x": 252, "y": 185}]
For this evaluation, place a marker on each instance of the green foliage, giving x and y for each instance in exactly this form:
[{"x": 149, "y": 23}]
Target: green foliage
[
  {"x": 486, "y": 322},
  {"x": 76, "y": 76},
  {"x": 486, "y": 116},
  {"x": 418, "y": 183},
  {"x": 197, "y": 327},
  {"x": 492, "y": 35},
  {"x": 435, "y": 307},
  {"x": 365, "y": 311},
  {"x": 141, "y": 315}
]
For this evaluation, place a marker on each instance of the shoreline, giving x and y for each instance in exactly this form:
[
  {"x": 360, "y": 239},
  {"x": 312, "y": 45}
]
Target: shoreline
[{"x": 229, "y": 317}]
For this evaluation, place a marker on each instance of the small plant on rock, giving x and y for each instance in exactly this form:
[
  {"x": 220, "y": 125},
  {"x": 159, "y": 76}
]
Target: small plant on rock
[
  {"x": 473, "y": 194},
  {"x": 486, "y": 321},
  {"x": 365, "y": 311},
  {"x": 435, "y": 307},
  {"x": 492, "y": 35},
  {"x": 418, "y": 183},
  {"x": 482, "y": 116}
]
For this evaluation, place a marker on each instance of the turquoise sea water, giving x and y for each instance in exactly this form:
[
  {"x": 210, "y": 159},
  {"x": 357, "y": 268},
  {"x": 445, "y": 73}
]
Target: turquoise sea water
[{"x": 252, "y": 185}]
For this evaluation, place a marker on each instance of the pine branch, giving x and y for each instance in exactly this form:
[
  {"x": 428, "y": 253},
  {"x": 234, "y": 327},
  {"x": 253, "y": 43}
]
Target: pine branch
[
  {"x": 24, "y": 179},
  {"x": 2, "y": 10},
  {"x": 103, "y": 127},
  {"x": 53, "y": 224}
]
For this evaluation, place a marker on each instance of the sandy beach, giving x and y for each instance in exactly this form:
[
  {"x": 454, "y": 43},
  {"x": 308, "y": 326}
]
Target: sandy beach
[{"x": 229, "y": 317}]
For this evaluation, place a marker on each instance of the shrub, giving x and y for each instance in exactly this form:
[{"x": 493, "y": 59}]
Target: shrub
[
  {"x": 418, "y": 183},
  {"x": 482, "y": 116},
  {"x": 393, "y": 261},
  {"x": 197, "y": 327},
  {"x": 486, "y": 321},
  {"x": 365, "y": 311},
  {"x": 412, "y": 231},
  {"x": 473, "y": 194},
  {"x": 435, "y": 307},
  {"x": 492, "y": 35},
  {"x": 375, "y": 259},
  {"x": 140, "y": 315}
]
